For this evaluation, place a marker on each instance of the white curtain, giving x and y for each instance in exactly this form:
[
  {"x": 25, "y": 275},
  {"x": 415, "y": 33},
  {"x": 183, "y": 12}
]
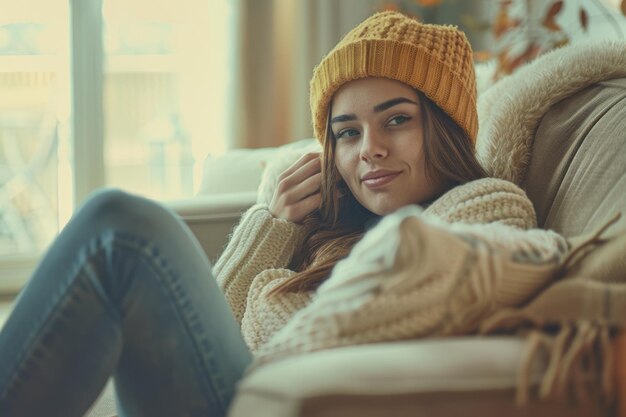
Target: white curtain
[{"x": 279, "y": 42}]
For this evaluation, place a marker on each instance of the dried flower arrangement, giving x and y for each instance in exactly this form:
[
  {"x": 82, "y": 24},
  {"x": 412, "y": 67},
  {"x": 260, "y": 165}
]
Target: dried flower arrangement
[{"x": 523, "y": 29}]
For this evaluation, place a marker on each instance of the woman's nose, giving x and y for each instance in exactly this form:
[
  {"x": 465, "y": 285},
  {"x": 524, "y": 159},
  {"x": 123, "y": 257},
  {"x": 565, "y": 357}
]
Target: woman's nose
[{"x": 373, "y": 146}]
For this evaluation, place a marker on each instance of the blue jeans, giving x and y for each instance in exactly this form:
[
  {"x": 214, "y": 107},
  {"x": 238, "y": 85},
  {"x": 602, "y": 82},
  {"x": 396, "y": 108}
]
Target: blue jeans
[{"x": 124, "y": 291}]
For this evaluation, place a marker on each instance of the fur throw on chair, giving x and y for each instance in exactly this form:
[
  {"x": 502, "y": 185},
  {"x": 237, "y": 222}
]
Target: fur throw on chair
[{"x": 510, "y": 110}]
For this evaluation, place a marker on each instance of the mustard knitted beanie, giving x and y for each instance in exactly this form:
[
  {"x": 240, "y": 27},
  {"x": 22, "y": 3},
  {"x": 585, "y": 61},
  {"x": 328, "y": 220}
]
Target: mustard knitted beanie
[{"x": 434, "y": 59}]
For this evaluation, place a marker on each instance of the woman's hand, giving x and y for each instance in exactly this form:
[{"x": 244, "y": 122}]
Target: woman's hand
[{"x": 298, "y": 190}]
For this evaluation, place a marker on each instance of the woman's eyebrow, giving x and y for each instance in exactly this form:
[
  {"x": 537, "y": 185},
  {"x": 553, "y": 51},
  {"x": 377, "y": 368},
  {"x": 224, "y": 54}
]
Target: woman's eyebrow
[
  {"x": 377, "y": 109},
  {"x": 390, "y": 103}
]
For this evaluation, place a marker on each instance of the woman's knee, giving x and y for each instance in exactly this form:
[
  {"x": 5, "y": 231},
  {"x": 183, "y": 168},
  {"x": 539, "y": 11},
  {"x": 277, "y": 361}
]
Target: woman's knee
[
  {"x": 107, "y": 201},
  {"x": 116, "y": 207}
]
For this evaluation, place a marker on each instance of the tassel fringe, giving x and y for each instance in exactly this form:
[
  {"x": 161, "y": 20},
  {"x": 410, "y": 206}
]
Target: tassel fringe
[
  {"x": 582, "y": 248},
  {"x": 580, "y": 361}
]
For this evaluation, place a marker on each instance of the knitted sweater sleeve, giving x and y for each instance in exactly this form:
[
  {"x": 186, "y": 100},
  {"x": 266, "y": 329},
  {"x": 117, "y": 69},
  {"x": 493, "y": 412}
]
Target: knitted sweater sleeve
[
  {"x": 258, "y": 243},
  {"x": 487, "y": 200},
  {"x": 265, "y": 315}
]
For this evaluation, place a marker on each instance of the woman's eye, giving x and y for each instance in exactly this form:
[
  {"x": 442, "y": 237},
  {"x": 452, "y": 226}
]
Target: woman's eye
[
  {"x": 346, "y": 133},
  {"x": 398, "y": 120}
]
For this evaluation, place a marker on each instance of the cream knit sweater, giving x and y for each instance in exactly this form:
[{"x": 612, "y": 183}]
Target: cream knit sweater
[{"x": 262, "y": 246}]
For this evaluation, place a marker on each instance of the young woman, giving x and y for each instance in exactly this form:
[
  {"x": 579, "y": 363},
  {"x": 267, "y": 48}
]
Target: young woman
[{"x": 126, "y": 291}]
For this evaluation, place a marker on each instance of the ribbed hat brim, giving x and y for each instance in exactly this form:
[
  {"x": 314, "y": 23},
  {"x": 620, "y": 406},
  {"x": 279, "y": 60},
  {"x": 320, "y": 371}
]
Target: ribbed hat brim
[{"x": 407, "y": 63}]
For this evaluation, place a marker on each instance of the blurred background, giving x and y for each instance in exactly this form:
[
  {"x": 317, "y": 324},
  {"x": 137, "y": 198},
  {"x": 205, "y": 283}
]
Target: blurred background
[{"x": 136, "y": 94}]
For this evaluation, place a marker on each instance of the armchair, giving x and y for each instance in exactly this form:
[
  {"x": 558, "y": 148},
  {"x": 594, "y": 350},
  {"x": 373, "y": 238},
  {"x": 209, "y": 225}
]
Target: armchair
[{"x": 576, "y": 180}]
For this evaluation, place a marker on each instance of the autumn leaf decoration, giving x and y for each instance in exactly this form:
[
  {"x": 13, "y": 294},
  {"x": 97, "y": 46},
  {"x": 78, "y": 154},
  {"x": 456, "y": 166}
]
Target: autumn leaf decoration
[
  {"x": 584, "y": 18},
  {"x": 549, "y": 22},
  {"x": 503, "y": 22},
  {"x": 428, "y": 3},
  {"x": 511, "y": 56},
  {"x": 390, "y": 7},
  {"x": 520, "y": 36}
]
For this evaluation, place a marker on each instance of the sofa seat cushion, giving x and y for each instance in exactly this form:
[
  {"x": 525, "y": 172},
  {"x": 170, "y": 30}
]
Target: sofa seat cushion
[{"x": 468, "y": 376}]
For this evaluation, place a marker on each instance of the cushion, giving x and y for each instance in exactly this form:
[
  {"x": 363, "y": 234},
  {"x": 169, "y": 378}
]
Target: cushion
[
  {"x": 240, "y": 170},
  {"x": 237, "y": 170}
]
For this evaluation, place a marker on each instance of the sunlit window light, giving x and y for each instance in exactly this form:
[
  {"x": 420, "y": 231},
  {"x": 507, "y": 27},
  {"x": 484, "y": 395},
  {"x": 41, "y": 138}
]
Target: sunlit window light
[{"x": 166, "y": 80}]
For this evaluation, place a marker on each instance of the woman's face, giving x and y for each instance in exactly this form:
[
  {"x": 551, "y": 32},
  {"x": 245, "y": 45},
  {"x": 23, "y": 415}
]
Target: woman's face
[{"x": 377, "y": 126}]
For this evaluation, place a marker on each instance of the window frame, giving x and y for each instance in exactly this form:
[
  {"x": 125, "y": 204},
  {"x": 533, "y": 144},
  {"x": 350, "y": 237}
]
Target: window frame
[{"x": 86, "y": 127}]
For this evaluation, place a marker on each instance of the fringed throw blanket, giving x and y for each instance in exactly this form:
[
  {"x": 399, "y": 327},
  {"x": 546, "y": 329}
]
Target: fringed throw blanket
[
  {"x": 575, "y": 320},
  {"x": 414, "y": 275}
]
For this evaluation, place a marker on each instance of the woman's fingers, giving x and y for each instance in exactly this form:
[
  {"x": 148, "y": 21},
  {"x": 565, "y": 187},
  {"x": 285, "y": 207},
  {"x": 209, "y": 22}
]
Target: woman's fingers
[
  {"x": 303, "y": 160},
  {"x": 300, "y": 174},
  {"x": 288, "y": 204},
  {"x": 307, "y": 170},
  {"x": 293, "y": 182},
  {"x": 304, "y": 189},
  {"x": 295, "y": 195},
  {"x": 305, "y": 206}
]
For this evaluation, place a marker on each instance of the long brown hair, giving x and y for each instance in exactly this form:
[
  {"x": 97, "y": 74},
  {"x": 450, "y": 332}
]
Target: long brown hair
[{"x": 332, "y": 231}]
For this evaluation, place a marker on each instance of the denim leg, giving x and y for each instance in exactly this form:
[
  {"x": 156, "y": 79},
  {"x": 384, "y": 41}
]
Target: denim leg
[{"x": 125, "y": 290}]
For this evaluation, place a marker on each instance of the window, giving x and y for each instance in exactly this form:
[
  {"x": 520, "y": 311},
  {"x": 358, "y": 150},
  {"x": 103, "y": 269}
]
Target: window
[
  {"x": 123, "y": 93},
  {"x": 164, "y": 89},
  {"x": 33, "y": 116}
]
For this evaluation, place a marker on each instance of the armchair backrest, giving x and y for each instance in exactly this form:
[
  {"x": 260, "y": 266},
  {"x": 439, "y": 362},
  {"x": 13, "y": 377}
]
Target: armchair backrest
[{"x": 577, "y": 173}]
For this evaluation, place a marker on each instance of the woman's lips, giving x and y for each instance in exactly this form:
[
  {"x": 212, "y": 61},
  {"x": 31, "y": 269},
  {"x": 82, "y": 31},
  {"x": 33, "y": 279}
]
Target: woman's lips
[{"x": 380, "y": 181}]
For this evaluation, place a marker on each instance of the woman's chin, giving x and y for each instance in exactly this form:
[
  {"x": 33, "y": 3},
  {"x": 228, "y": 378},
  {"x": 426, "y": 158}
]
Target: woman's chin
[{"x": 383, "y": 208}]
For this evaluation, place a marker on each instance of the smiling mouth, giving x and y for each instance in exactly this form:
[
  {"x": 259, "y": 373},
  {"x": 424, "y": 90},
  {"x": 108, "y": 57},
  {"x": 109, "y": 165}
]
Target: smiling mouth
[{"x": 380, "y": 181}]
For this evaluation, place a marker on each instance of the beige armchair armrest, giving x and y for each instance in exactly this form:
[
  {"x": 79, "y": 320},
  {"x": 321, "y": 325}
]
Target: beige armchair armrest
[
  {"x": 444, "y": 377},
  {"x": 212, "y": 218}
]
